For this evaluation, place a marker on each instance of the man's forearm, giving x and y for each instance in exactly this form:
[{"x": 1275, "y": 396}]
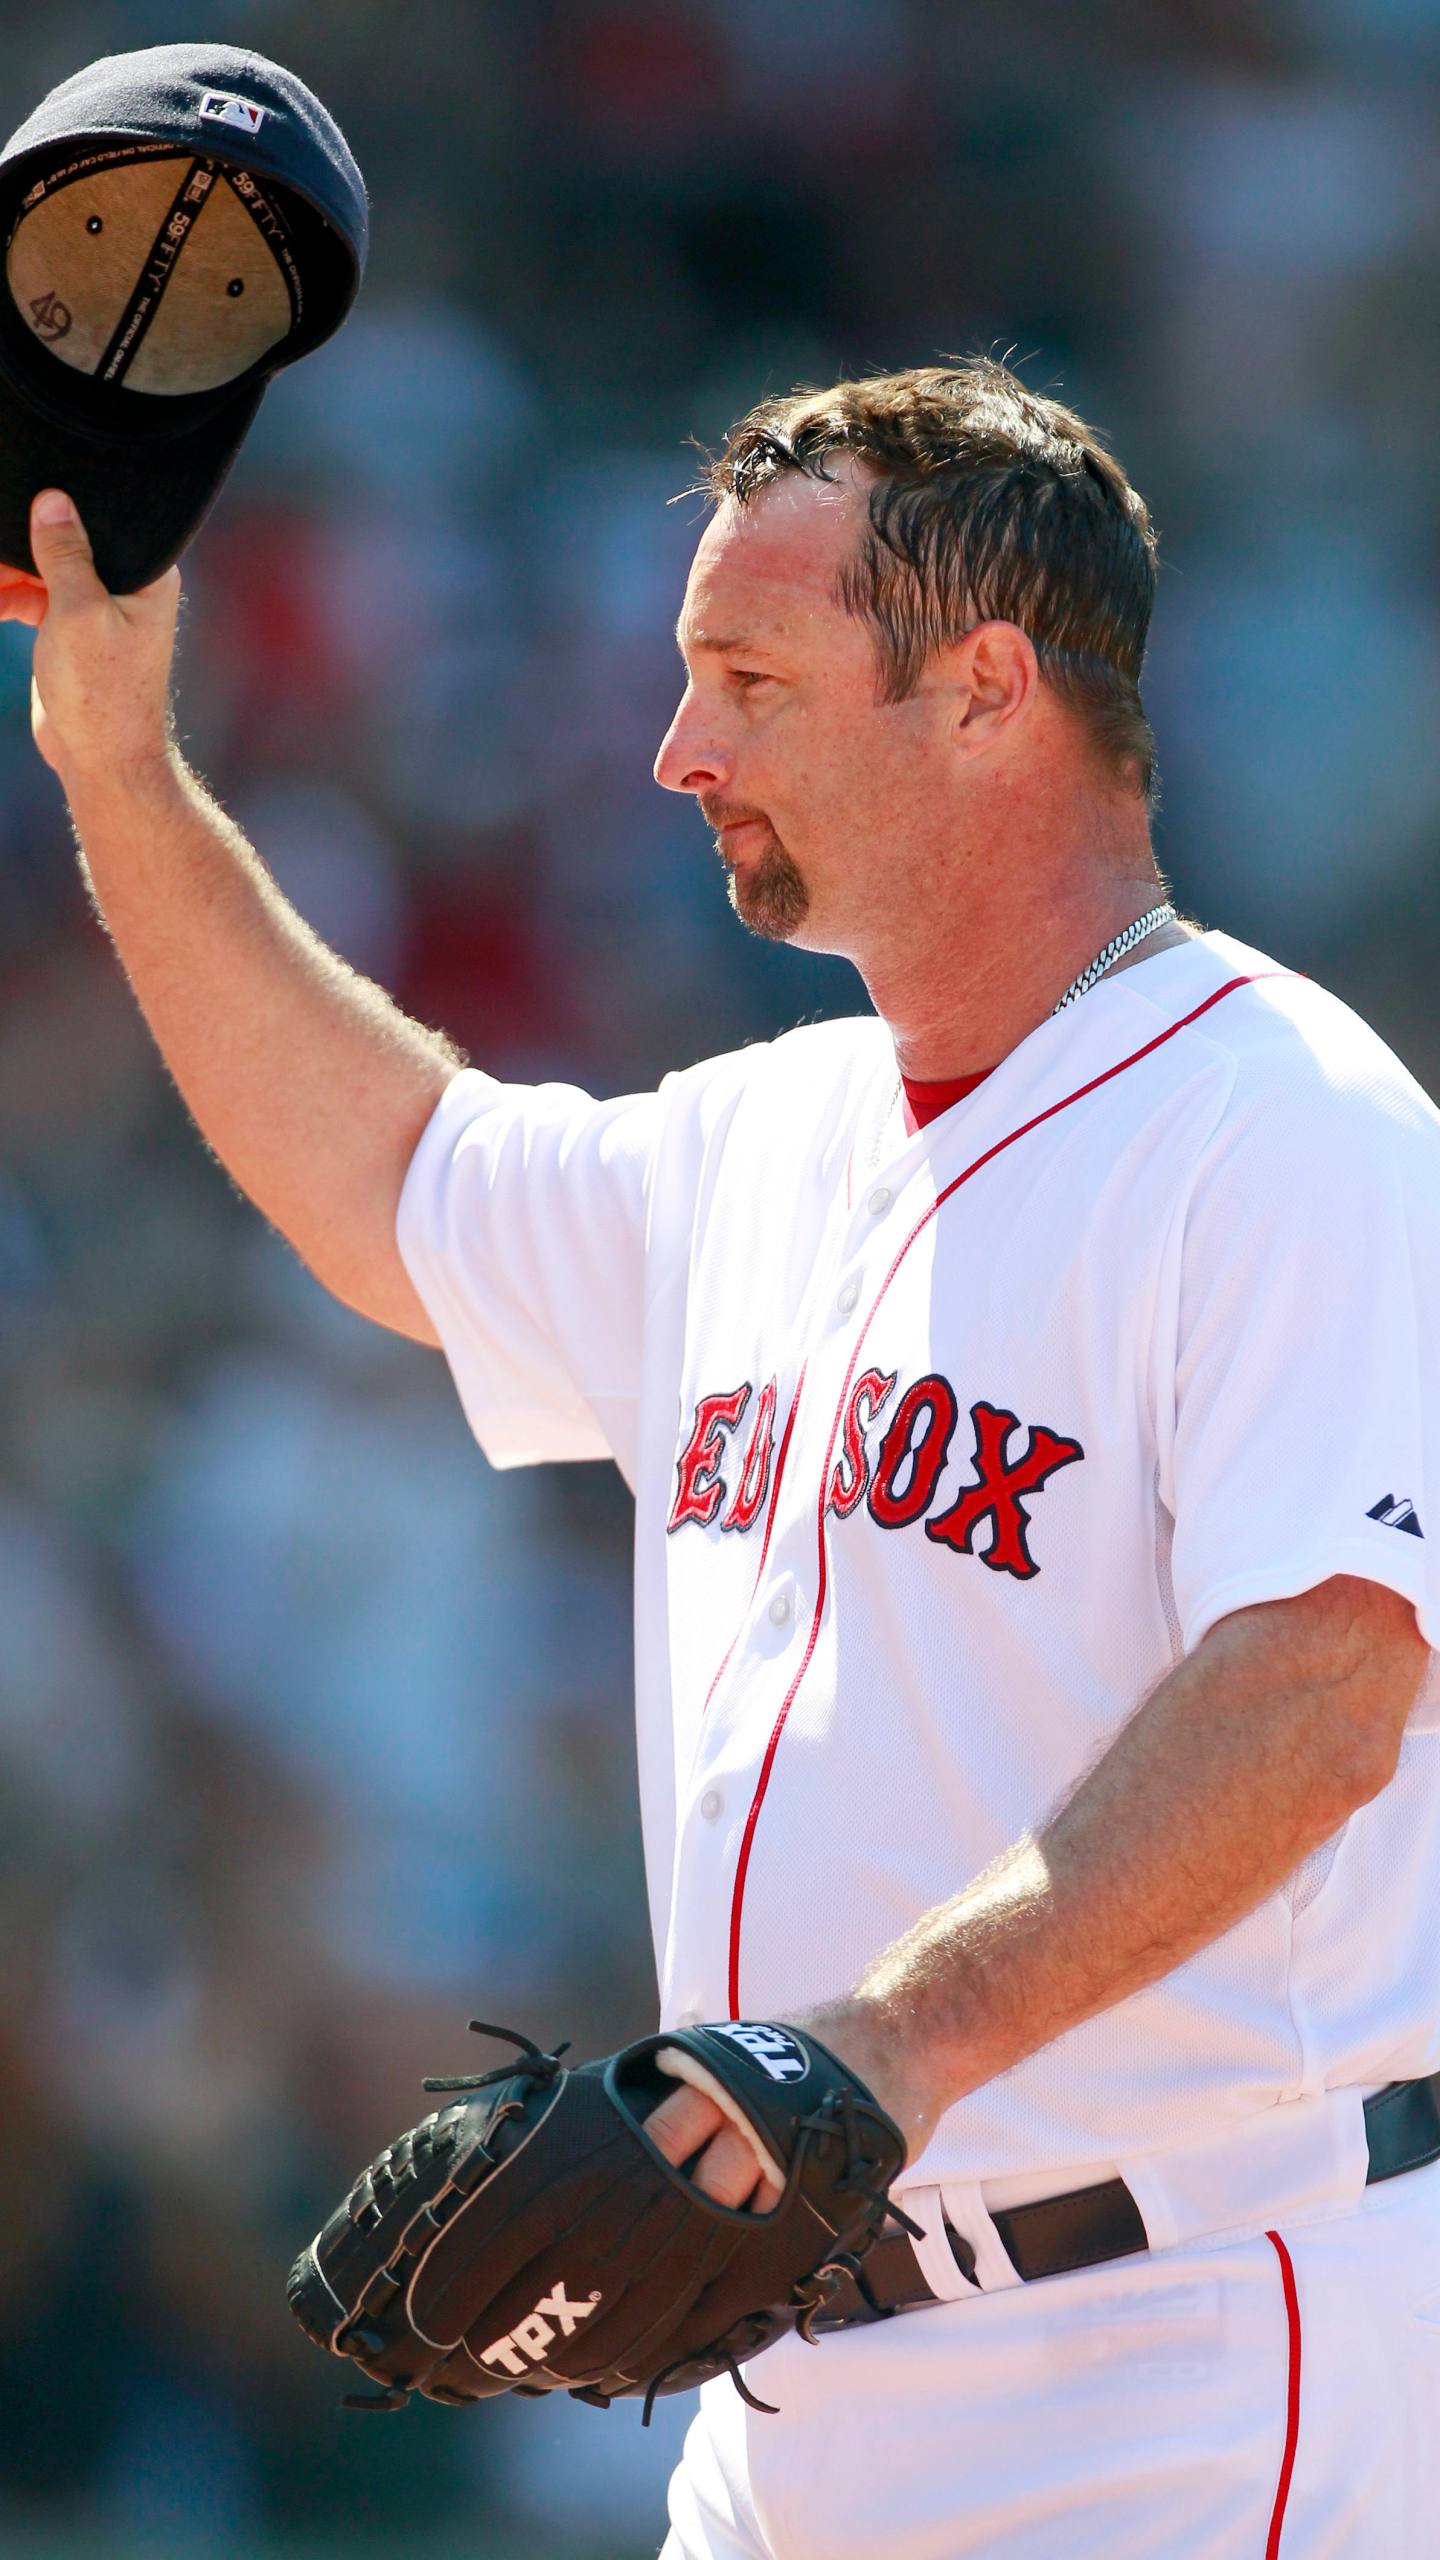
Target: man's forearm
[
  {"x": 1253, "y": 1751},
  {"x": 310, "y": 1085}
]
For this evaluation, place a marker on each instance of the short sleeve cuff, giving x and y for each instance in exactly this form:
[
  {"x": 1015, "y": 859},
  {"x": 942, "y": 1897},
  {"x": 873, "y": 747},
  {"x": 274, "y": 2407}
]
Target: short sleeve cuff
[{"x": 1394, "y": 1569}]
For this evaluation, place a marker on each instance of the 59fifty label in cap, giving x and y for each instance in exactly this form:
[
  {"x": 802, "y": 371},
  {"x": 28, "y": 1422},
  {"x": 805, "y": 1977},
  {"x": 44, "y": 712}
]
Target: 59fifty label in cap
[
  {"x": 221, "y": 108},
  {"x": 154, "y": 270}
]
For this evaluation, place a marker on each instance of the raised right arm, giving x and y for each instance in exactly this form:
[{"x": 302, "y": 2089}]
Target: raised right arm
[{"x": 311, "y": 1086}]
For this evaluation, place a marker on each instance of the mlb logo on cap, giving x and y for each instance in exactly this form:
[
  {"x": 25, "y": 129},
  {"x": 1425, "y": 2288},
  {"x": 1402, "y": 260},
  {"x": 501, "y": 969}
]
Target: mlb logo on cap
[{"x": 236, "y": 111}]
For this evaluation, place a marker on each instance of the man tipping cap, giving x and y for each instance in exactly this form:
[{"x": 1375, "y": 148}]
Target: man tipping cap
[{"x": 176, "y": 224}]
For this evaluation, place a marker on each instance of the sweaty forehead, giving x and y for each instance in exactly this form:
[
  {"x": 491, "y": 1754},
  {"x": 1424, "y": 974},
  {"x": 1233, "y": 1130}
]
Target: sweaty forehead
[{"x": 766, "y": 569}]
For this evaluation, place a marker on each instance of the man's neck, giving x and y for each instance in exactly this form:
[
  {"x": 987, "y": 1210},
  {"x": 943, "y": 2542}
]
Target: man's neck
[{"x": 970, "y": 999}]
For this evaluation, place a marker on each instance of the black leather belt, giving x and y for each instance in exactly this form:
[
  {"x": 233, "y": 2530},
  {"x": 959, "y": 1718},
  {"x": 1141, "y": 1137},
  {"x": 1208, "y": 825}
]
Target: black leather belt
[{"x": 1091, "y": 2224}]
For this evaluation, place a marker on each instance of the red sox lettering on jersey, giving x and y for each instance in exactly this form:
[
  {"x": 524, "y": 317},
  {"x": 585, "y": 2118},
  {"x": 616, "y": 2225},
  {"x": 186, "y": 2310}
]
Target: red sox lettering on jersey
[{"x": 986, "y": 1517}]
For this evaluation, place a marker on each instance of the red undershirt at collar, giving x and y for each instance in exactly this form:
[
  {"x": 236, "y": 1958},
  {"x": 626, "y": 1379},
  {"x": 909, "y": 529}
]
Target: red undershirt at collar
[{"x": 925, "y": 1102}]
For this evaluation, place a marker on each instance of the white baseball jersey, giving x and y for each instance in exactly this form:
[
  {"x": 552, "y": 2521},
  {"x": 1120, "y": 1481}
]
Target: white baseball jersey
[{"x": 946, "y": 1448}]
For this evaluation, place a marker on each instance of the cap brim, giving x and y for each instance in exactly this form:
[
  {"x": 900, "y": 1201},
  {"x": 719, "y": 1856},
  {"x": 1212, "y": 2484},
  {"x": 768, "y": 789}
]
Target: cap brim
[{"x": 140, "y": 499}]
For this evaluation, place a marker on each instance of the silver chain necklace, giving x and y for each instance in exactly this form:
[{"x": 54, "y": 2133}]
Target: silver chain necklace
[
  {"x": 1139, "y": 931},
  {"x": 1094, "y": 970}
]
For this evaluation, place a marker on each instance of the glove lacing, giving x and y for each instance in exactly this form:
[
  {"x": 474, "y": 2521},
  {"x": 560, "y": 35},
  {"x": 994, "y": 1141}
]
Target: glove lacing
[
  {"x": 533, "y": 2065},
  {"x": 844, "y": 2114}
]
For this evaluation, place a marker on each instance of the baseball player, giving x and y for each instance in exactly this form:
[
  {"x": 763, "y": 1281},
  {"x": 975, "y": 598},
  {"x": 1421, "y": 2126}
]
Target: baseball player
[{"x": 1031, "y": 1397}]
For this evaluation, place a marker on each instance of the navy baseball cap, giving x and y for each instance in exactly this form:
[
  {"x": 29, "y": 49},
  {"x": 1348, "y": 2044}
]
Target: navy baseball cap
[{"x": 176, "y": 225}]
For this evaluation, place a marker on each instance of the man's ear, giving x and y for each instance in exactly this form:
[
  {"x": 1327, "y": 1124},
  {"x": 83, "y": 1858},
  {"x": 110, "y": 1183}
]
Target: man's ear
[{"x": 997, "y": 676}]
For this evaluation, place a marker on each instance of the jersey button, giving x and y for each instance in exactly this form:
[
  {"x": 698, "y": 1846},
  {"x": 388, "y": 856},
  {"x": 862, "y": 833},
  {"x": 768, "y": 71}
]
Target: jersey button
[
  {"x": 779, "y": 1612},
  {"x": 849, "y": 1298},
  {"x": 879, "y": 1201},
  {"x": 712, "y": 1804}
]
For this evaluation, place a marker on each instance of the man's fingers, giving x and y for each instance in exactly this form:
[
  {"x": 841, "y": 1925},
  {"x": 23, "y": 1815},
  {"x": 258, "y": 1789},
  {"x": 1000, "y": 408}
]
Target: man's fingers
[
  {"x": 727, "y": 2169},
  {"x": 682, "y": 2122},
  {"x": 23, "y": 604},
  {"x": 22, "y": 597},
  {"x": 62, "y": 549}
]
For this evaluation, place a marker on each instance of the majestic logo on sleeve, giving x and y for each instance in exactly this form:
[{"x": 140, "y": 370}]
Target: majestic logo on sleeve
[{"x": 904, "y": 1482}]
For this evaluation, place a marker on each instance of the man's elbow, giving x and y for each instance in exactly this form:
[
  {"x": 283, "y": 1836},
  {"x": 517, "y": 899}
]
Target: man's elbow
[
  {"x": 1367, "y": 1730},
  {"x": 1352, "y": 1657},
  {"x": 1366, "y": 1759}
]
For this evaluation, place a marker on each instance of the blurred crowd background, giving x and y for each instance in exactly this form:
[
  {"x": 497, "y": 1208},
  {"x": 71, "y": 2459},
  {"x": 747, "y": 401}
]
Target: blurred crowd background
[{"x": 314, "y": 1733}]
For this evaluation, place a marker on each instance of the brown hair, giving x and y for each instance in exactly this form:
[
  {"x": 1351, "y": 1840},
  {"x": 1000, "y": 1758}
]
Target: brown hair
[{"x": 989, "y": 503}]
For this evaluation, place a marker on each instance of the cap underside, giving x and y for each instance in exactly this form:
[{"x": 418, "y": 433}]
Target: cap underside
[
  {"x": 163, "y": 273},
  {"x": 140, "y": 501},
  {"x": 149, "y": 293}
]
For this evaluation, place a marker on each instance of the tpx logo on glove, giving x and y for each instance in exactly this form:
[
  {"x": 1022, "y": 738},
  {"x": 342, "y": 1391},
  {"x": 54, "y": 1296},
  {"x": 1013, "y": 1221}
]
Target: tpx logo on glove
[
  {"x": 778, "y": 2055},
  {"x": 532, "y": 2336}
]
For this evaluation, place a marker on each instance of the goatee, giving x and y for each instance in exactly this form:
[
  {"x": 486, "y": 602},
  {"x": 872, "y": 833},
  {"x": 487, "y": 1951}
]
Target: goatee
[{"x": 769, "y": 896}]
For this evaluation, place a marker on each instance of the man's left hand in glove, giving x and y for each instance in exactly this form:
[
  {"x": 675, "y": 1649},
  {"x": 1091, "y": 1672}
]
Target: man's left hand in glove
[{"x": 532, "y": 2236}]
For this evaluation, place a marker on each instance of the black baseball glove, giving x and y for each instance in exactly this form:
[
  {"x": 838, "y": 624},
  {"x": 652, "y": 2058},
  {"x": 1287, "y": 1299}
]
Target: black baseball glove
[{"x": 530, "y": 2237}]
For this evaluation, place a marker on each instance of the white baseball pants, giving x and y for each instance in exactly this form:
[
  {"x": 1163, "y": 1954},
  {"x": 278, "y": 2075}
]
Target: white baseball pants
[{"x": 1221, "y": 2401}]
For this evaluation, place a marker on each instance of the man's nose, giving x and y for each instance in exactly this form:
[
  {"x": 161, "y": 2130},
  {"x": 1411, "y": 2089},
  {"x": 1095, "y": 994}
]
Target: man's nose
[{"x": 691, "y": 757}]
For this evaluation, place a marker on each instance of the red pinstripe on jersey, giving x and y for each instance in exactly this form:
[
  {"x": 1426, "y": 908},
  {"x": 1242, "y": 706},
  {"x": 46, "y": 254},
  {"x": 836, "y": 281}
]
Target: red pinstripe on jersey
[
  {"x": 742, "y": 1864},
  {"x": 1292, "y": 2396}
]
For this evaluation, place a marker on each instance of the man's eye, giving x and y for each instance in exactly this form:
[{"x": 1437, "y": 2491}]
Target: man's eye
[{"x": 748, "y": 676}]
